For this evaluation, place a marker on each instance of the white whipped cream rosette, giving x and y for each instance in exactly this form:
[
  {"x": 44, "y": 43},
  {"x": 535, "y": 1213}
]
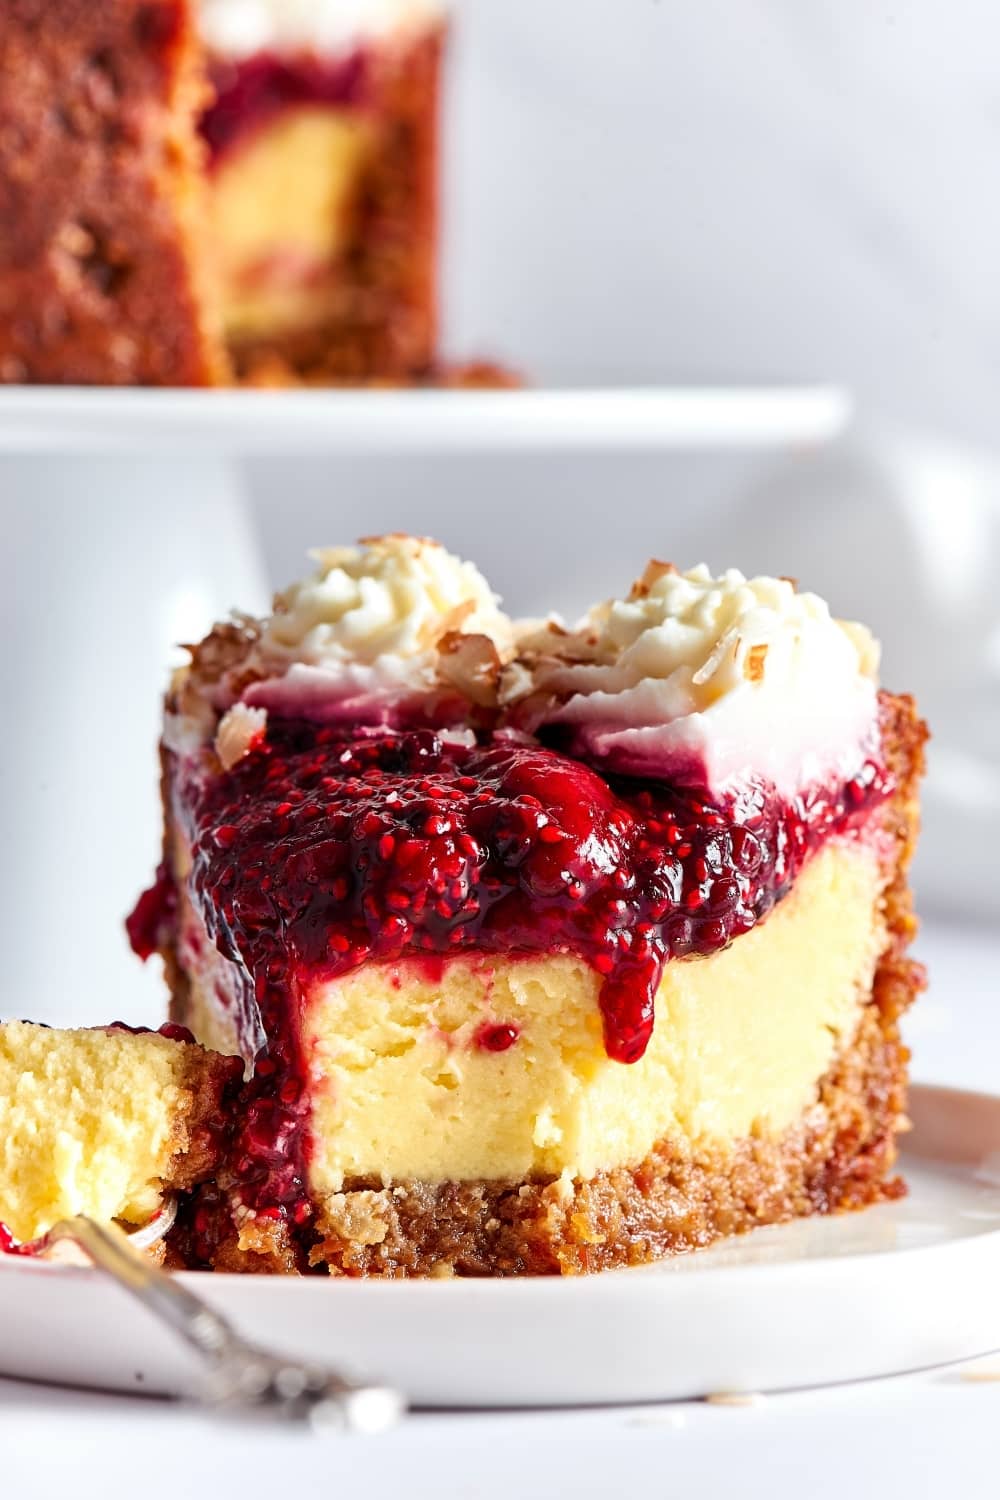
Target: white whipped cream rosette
[{"x": 706, "y": 679}]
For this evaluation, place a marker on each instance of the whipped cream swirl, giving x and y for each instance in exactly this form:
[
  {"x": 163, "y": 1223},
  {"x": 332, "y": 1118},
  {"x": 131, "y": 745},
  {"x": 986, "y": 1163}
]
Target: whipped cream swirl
[
  {"x": 707, "y": 680},
  {"x": 371, "y": 629}
]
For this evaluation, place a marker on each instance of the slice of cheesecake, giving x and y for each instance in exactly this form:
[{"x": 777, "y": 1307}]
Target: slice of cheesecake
[
  {"x": 105, "y": 1123},
  {"x": 548, "y": 949}
]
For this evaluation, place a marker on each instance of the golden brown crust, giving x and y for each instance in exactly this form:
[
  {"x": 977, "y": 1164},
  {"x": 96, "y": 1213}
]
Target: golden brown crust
[
  {"x": 207, "y": 1083},
  {"x": 904, "y": 734},
  {"x": 101, "y": 281}
]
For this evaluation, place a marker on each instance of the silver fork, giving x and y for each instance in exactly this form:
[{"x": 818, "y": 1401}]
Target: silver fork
[{"x": 240, "y": 1376}]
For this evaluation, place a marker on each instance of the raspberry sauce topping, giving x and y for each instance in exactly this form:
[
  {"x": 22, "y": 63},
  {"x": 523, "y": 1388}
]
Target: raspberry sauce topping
[
  {"x": 251, "y": 92},
  {"x": 314, "y": 855}
]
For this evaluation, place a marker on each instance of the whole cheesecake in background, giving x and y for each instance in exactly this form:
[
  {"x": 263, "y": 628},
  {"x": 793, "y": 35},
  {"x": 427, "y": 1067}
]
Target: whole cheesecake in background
[
  {"x": 545, "y": 949},
  {"x": 197, "y": 193}
]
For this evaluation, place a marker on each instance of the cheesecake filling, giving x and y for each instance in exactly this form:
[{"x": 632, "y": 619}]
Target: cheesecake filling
[{"x": 496, "y": 1068}]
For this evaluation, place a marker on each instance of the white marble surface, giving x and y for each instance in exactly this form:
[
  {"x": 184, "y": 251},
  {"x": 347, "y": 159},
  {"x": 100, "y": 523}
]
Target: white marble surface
[{"x": 915, "y": 1435}]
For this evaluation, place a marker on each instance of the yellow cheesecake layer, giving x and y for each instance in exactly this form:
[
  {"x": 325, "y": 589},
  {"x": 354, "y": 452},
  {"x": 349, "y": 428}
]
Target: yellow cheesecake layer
[
  {"x": 401, "y": 1090},
  {"x": 87, "y": 1125},
  {"x": 281, "y": 211}
]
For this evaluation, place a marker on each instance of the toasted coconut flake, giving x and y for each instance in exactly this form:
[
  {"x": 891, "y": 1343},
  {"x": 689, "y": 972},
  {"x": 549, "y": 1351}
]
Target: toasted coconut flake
[
  {"x": 438, "y": 631},
  {"x": 358, "y": 1217},
  {"x": 516, "y": 683},
  {"x": 224, "y": 649},
  {"x": 406, "y": 537},
  {"x": 753, "y": 665},
  {"x": 654, "y": 571},
  {"x": 242, "y": 729},
  {"x": 471, "y": 663}
]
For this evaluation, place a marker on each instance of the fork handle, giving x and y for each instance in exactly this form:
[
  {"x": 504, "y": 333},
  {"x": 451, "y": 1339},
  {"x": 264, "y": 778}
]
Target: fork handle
[
  {"x": 107, "y": 1246},
  {"x": 238, "y": 1362}
]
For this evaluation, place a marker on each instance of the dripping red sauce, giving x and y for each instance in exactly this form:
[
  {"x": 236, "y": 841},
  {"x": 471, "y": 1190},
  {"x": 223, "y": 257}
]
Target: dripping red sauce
[
  {"x": 249, "y": 93},
  {"x": 153, "y": 917}
]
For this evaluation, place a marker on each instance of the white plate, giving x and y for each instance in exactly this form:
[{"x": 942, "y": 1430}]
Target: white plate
[
  {"x": 900, "y": 1286},
  {"x": 35, "y": 419}
]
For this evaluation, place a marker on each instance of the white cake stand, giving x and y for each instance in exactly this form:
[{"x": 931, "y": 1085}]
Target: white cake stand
[{"x": 125, "y": 532}]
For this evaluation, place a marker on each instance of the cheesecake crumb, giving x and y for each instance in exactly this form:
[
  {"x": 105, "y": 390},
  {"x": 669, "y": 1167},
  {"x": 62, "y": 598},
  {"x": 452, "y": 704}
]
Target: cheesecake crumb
[
  {"x": 358, "y": 1217},
  {"x": 734, "y": 1398}
]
